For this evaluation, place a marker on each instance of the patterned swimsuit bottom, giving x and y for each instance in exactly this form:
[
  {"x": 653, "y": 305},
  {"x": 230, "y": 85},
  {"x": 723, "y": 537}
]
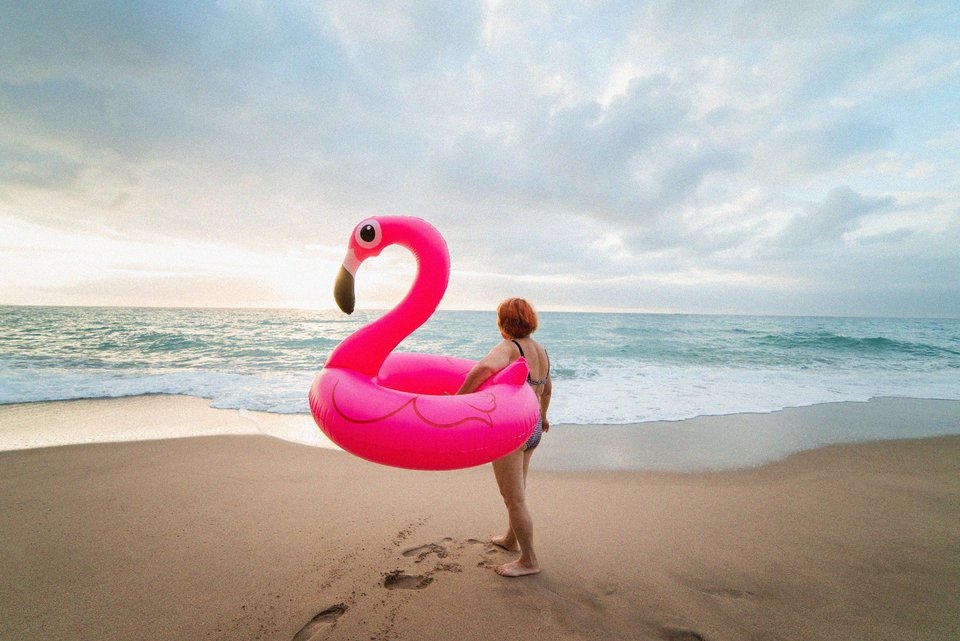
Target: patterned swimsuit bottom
[{"x": 534, "y": 439}]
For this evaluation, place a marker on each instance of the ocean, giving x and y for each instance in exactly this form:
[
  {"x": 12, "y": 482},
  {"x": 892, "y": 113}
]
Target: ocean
[{"x": 607, "y": 368}]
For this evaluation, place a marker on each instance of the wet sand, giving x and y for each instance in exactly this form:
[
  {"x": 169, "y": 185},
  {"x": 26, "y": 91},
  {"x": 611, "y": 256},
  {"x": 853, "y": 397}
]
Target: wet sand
[{"x": 250, "y": 537}]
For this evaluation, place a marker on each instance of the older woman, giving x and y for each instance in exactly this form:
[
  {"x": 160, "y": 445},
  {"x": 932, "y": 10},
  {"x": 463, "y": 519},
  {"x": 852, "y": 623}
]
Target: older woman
[{"x": 516, "y": 319}]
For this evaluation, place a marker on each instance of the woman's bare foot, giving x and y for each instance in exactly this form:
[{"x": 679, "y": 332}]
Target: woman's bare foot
[
  {"x": 504, "y": 542},
  {"x": 516, "y": 569}
]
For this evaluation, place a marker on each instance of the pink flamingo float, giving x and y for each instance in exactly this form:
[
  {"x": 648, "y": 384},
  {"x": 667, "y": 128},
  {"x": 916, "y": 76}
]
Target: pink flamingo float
[{"x": 400, "y": 409}]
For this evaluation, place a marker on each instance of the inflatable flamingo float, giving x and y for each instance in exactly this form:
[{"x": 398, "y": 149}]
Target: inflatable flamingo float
[{"x": 400, "y": 409}]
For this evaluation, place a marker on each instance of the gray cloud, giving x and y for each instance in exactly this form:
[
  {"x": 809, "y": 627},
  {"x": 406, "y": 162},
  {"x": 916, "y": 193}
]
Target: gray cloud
[{"x": 827, "y": 221}]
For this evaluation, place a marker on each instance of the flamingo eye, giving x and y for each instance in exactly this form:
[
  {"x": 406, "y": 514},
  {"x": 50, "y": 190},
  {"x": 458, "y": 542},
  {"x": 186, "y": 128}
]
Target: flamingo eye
[{"x": 368, "y": 234}]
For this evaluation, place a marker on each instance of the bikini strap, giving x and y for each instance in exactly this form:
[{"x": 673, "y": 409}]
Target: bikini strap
[{"x": 518, "y": 346}]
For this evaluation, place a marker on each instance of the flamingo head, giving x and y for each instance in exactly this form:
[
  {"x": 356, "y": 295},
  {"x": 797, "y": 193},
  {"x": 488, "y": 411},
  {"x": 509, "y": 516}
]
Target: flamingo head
[
  {"x": 366, "y": 242},
  {"x": 427, "y": 245}
]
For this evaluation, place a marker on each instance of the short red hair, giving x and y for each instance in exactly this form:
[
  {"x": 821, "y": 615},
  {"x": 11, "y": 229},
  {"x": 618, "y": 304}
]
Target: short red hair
[{"x": 516, "y": 318}]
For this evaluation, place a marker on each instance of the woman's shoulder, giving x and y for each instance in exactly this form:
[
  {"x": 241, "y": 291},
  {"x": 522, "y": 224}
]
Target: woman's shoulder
[
  {"x": 531, "y": 344},
  {"x": 537, "y": 344},
  {"x": 508, "y": 346}
]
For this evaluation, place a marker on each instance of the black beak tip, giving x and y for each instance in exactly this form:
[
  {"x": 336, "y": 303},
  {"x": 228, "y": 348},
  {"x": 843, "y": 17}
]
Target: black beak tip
[{"x": 343, "y": 291}]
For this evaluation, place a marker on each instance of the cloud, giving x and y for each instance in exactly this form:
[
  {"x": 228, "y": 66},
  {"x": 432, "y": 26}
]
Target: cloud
[
  {"x": 827, "y": 221},
  {"x": 816, "y": 147},
  {"x": 723, "y": 142}
]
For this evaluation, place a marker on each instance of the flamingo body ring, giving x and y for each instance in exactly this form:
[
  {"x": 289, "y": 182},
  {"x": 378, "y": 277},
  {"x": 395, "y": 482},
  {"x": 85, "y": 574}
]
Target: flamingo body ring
[{"x": 401, "y": 409}]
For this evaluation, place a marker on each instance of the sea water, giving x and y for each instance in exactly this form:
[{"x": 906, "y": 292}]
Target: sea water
[{"x": 606, "y": 368}]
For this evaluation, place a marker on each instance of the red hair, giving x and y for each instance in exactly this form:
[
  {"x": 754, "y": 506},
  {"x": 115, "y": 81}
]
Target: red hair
[{"x": 516, "y": 318}]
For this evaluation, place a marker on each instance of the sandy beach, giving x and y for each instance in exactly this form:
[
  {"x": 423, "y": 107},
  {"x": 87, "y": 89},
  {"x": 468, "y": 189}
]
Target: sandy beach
[{"x": 250, "y": 537}]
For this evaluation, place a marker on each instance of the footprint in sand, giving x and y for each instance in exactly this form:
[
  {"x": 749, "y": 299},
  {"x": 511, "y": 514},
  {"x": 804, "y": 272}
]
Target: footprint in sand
[
  {"x": 398, "y": 580},
  {"x": 493, "y": 555},
  {"x": 447, "y": 553},
  {"x": 322, "y": 621},
  {"x": 680, "y": 634},
  {"x": 423, "y": 551}
]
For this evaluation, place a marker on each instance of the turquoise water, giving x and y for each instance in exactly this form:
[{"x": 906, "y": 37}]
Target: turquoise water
[{"x": 607, "y": 368}]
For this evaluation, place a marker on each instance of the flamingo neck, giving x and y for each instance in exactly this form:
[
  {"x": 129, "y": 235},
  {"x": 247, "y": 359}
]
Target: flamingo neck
[{"x": 367, "y": 348}]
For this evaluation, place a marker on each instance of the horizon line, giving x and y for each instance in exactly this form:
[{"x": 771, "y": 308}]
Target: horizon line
[{"x": 649, "y": 312}]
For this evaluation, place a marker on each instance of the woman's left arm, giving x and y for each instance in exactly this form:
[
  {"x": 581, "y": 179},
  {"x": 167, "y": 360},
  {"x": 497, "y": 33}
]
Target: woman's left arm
[{"x": 545, "y": 401}]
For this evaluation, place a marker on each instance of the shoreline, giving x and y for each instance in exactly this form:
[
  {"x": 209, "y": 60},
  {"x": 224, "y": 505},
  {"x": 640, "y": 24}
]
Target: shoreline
[
  {"x": 703, "y": 443},
  {"x": 247, "y": 537}
]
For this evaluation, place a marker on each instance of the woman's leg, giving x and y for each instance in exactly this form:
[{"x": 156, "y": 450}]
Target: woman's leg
[
  {"x": 527, "y": 455},
  {"x": 508, "y": 541},
  {"x": 509, "y": 472}
]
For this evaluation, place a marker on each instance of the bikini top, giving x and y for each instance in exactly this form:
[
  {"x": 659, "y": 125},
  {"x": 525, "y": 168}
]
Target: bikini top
[{"x": 530, "y": 379}]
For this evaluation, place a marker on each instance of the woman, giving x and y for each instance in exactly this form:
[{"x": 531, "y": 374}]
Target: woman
[{"x": 516, "y": 319}]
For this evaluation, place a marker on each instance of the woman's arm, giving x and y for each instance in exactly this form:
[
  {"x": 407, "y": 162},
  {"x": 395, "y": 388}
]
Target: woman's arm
[
  {"x": 498, "y": 358},
  {"x": 545, "y": 402}
]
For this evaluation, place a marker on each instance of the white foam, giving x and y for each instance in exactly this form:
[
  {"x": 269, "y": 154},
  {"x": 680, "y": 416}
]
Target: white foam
[
  {"x": 620, "y": 393},
  {"x": 657, "y": 393}
]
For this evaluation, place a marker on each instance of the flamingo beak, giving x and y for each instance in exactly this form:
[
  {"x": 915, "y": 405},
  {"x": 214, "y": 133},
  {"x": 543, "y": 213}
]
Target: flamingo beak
[{"x": 343, "y": 291}]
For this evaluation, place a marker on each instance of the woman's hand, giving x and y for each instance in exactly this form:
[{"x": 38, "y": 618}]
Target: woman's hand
[{"x": 546, "y": 424}]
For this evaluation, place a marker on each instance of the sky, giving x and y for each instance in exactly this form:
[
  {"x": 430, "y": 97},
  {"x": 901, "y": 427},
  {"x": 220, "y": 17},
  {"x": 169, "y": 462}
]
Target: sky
[{"x": 765, "y": 157}]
